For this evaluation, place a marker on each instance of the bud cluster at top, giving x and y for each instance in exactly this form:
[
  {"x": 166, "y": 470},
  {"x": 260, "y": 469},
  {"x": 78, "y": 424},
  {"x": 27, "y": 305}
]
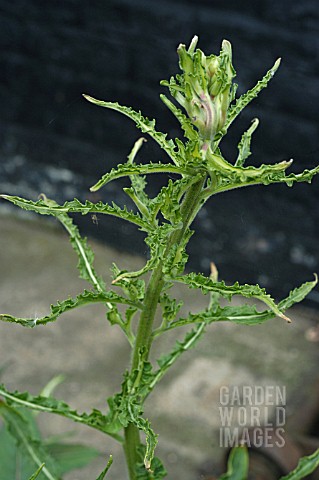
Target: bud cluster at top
[{"x": 204, "y": 89}]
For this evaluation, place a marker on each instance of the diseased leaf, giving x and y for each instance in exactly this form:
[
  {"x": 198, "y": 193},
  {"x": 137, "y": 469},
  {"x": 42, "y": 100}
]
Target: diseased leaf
[
  {"x": 49, "y": 404},
  {"x": 249, "y": 291},
  {"x": 84, "y": 252},
  {"x": 143, "y": 123},
  {"x": 134, "y": 288},
  {"x": 247, "y": 97},
  {"x": 244, "y": 314},
  {"x": 75, "y": 206},
  {"x": 85, "y": 256},
  {"x": 241, "y": 314},
  {"x": 244, "y": 144},
  {"x": 230, "y": 175},
  {"x": 127, "y": 276},
  {"x": 150, "y": 437},
  {"x": 266, "y": 176},
  {"x": 85, "y": 298},
  {"x": 305, "y": 467},
  {"x": 138, "y": 182},
  {"x": 156, "y": 240},
  {"x": 167, "y": 360},
  {"x": 127, "y": 407},
  {"x": 128, "y": 169},
  {"x": 305, "y": 176},
  {"x": 237, "y": 465},
  {"x": 168, "y": 199},
  {"x": 170, "y": 307},
  {"x": 184, "y": 121},
  {"x": 298, "y": 294},
  {"x": 156, "y": 472}
]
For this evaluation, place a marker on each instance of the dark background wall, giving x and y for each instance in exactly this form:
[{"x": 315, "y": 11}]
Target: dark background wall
[{"x": 52, "y": 141}]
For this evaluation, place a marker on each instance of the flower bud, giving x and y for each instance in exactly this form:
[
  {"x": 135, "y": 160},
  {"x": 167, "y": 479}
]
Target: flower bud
[{"x": 204, "y": 87}]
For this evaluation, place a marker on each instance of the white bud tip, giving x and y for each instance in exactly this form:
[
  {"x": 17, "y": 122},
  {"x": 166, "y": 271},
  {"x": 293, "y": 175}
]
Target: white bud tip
[
  {"x": 226, "y": 45},
  {"x": 277, "y": 63},
  {"x": 193, "y": 44}
]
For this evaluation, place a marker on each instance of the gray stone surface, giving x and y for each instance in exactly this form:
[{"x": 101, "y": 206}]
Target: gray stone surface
[{"x": 38, "y": 267}]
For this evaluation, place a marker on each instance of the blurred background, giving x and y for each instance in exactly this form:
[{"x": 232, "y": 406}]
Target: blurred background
[{"x": 53, "y": 141}]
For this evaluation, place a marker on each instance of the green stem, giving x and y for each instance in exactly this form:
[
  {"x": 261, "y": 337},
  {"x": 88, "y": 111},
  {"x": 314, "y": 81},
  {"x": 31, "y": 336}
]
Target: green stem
[
  {"x": 131, "y": 443},
  {"x": 144, "y": 338}
]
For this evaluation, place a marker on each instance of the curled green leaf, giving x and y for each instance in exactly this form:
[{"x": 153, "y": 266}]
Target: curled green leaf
[
  {"x": 75, "y": 206},
  {"x": 244, "y": 144},
  {"x": 249, "y": 291},
  {"x": 95, "y": 419},
  {"x": 143, "y": 123},
  {"x": 237, "y": 465},
  {"x": 85, "y": 298},
  {"x": 247, "y": 97},
  {"x": 305, "y": 467},
  {"x": 128, "y": 169}
]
